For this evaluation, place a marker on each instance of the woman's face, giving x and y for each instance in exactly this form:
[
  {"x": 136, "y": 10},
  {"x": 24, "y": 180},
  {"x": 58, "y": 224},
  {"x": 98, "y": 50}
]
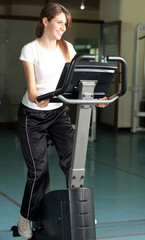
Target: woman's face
[{"x": 57, "y": 26}]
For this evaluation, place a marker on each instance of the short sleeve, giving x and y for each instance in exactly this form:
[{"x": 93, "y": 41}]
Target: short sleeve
[
  {"x": 27, "y": 53},
  {"x": 72, "y": 51}
]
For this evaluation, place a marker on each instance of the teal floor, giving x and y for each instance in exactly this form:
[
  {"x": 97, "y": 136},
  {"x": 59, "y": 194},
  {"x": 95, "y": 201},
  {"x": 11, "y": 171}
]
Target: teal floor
[{"x": 115, "y": 170}]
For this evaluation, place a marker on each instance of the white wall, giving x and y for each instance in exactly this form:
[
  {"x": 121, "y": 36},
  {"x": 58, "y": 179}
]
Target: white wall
[
  {"x": 109, "y": 10},
  {"x": 131, "y": 13}
]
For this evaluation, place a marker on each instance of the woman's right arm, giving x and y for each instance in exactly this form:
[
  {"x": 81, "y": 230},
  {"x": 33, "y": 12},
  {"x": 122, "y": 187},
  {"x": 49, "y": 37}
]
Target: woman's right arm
[
  {"x": 31, "y": 84},
  {"x": 30, "y": 80}
]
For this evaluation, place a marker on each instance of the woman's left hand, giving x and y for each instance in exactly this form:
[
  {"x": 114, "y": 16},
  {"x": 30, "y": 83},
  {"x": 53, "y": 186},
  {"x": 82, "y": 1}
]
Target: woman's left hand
[
  {"x": 102, "y": 105},
  {"x": 42, "y": 103}
]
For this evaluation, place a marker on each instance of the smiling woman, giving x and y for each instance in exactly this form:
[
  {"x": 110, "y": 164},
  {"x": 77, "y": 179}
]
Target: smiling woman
[
  {"x": 58, "y": 14},
  {"x": 43, "y": 60},
  {"x": 53, "y": 30}
]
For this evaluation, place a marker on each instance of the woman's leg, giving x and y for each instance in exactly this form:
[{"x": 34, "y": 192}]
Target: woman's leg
[
  {"x": 34, "y": 145},
  {"x": 62, "y": 134}
]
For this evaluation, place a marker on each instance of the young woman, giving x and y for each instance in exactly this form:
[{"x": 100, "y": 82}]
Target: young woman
[{"x": 43, "y": 61}]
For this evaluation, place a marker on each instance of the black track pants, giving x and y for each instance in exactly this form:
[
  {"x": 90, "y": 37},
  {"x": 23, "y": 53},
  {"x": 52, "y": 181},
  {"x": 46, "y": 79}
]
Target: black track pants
[{"x": 34, "y": 127}]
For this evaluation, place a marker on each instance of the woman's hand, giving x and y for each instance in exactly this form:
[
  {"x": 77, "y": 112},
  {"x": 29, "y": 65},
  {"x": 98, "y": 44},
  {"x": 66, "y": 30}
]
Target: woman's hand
[
  {"x": 102, "y": 105},
  {"x": 42, "y": 103}
]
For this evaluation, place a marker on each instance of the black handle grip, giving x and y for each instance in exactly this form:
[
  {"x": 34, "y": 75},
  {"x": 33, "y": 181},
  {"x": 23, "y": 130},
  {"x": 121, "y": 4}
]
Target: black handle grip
[
  {"x": 124, "y": 73},
  {"x": 67, "y": 78}
]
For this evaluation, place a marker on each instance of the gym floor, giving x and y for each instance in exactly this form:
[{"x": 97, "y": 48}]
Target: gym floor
[{"x": 115, "y": 169}]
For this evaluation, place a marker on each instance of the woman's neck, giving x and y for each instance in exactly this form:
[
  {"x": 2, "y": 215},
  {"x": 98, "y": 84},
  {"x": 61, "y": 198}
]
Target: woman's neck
[{"x": 47, "y": 44}]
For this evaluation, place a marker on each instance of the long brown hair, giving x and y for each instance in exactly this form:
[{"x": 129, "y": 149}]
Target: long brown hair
[{"x": 50, "y": 10}]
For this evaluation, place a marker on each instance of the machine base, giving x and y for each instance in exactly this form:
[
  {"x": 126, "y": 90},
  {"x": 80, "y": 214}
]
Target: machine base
[{"x": 66, "y": 215}]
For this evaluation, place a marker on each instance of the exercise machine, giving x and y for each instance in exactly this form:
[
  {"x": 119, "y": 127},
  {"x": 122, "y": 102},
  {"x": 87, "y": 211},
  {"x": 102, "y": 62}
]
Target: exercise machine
[{"x": 68, "y": 214}]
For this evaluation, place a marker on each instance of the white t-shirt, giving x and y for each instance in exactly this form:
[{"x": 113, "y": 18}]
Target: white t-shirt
[{"x": 48, "y": 66}]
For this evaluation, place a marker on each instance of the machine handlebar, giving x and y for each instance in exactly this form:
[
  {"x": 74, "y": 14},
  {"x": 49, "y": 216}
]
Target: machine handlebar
[
  {"x": 68, "y": 77},
  {"x": 124, "y": 73}
]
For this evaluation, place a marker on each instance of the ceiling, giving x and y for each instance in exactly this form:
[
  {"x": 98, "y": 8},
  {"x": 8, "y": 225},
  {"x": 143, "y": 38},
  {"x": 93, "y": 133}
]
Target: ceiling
[{"x": 73, "y": 4}]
